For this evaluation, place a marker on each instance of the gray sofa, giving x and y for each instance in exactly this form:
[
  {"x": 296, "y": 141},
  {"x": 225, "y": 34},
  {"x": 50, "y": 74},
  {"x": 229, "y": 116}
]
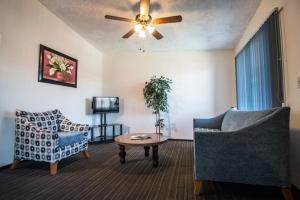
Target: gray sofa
[{"x": 250, "y": 147}]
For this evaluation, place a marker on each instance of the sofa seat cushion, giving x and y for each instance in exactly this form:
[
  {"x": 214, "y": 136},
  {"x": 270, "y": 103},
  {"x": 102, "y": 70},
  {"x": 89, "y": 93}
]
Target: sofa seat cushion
[
  {"x": 69, "y": 138},
  {"x": 235, "y": 119}
]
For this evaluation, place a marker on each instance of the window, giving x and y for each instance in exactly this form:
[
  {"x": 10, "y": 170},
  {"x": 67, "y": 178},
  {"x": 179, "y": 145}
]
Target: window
[{"x": 259, "y": 76}]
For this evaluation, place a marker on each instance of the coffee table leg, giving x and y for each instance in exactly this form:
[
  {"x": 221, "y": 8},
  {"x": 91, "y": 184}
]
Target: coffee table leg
[
  {"x": 147, "y": 148},
  {"x": 122, "y": 153},
  {"x": 155, "y": 155}
]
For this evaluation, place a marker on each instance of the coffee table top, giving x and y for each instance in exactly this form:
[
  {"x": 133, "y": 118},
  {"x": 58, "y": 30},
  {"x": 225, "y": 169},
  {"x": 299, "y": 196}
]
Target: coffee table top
[{"x": 155, "y": 139}]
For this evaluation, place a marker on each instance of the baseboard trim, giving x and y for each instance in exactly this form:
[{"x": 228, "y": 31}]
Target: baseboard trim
[
  {"x": 9, "y": 165},
  {"x": 5, "y": 166}
]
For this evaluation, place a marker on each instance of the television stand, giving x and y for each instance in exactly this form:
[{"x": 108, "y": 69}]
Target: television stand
[{"x": 103, "y": 137}]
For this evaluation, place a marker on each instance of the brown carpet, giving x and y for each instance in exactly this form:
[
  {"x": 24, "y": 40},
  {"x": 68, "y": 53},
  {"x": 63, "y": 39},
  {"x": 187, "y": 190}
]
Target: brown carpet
[{"x": 103, "y": 177}]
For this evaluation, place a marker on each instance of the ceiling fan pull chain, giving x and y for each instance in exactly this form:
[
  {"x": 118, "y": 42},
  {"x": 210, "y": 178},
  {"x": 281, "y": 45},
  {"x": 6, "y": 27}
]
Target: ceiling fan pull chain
[{"x": 142, "y": 49}]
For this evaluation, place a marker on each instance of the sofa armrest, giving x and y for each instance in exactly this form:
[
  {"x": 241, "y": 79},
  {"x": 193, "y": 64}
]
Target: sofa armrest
[
  {"x": 267, "y": 136},
  {"x": 212, "y": 123}
]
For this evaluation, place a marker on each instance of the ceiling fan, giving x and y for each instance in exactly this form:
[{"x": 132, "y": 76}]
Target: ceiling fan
[{"x": 143, "y": 21}]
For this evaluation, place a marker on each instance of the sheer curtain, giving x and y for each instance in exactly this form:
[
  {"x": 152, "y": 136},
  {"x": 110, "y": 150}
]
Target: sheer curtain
[{"x": 259, "y": 69}]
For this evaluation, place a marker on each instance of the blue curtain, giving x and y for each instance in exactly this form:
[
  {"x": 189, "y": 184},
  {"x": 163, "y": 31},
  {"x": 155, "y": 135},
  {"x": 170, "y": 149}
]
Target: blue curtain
[{"x": 259, "y": 69}]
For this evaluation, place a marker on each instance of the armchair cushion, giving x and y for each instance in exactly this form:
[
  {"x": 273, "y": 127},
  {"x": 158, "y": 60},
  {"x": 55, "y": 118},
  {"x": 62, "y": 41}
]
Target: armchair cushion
[
  {"x": 235, "y": 120},
  {"x": 69, "y": 138}
]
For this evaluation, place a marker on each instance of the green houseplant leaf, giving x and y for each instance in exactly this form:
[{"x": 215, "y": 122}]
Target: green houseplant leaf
[{"x": 156, "y": 97}]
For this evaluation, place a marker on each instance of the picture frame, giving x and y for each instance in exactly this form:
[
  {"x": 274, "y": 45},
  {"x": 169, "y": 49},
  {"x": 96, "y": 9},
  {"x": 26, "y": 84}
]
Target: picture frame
[{"x": 57, "y": 68}]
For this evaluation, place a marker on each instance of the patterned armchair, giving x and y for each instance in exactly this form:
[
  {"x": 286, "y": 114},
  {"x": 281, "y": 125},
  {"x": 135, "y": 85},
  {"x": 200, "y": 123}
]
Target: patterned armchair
[
  {"x": 250, "y": 147},
  {"x": 49, "y": 137}
]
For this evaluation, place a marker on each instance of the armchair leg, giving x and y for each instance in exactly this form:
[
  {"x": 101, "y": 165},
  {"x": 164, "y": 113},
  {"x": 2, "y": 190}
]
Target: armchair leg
[
  {"x": 86, "y": 154},
  {"x": 15, "y": 164},
  {"x": 197, "y": 187},
  {"x": 53, "y": 168},
  {"x": 287, "y": 193}
]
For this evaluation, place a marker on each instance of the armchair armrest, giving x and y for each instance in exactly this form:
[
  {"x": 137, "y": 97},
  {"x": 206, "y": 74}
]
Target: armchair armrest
[
  {"x": 66, "y": 125},
  {"x": 212, "y": 123}
]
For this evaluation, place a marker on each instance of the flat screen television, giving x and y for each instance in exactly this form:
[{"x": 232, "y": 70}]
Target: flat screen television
[{"x": 105, "y": 104}]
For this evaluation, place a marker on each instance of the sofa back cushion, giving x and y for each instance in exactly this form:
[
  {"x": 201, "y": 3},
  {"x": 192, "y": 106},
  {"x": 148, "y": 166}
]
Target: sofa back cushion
[
  {"x": 235, "y": 119},
  {"x": 45, "y": 120}
]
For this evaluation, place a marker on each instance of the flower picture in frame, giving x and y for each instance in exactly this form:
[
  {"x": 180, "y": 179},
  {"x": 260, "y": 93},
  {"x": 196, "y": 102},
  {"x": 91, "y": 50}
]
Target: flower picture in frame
[{"x": 57, "y": 68}]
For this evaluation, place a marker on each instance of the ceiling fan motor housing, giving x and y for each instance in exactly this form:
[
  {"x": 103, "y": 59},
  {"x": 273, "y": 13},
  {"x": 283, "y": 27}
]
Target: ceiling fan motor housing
[{"x": 143, "y": 19}]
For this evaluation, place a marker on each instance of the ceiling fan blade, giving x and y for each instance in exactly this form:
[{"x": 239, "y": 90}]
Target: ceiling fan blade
[
  {"x": 165, "y": 20},
  {"x": 157, "y": 34},
  {"x": 144, "y": 7},
  {"x": 118, "y": 18},
  {"x": 130, "y": 33}
]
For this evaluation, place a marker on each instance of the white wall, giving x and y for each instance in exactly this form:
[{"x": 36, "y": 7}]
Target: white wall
[
  {"x": 23, "y": 26},
  {"x": 291, "y": 17},
  {"x": 292, "y": 33},
  {"x": 203, "y": 85}
]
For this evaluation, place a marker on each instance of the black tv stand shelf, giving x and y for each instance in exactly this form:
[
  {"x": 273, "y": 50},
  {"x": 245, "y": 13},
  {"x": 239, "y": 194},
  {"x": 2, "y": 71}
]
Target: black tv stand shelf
[{"x": 103, "y": 137}]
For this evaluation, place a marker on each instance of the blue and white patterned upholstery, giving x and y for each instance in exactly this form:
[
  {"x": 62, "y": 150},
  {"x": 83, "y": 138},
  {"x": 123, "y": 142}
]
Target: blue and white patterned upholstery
[
  {"x": 44, "y": 120},
  {"x": 38, "y": 136}
]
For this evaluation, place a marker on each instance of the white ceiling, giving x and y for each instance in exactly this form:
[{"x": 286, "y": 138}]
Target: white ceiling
[{"x": 206, "y": 25}]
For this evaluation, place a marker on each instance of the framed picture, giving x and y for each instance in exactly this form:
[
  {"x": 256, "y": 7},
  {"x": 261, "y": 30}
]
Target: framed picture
[{"x": 57, "y": 68}]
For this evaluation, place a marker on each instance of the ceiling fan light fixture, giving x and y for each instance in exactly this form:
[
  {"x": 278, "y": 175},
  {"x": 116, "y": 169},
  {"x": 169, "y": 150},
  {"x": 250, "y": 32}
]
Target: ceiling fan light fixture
[
  {"x": 150, "y": 29},
  {"x": 143, "y": 21},
  {"x": 142, "y": 34},
  {"x": 138, "y": 28}
]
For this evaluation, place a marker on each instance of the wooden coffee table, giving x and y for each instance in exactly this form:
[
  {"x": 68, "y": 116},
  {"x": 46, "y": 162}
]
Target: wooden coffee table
[{"x": 154, "y": 141}]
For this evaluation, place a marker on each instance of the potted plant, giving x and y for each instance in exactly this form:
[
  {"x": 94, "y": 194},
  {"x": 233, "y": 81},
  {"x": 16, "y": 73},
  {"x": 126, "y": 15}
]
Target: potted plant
[{"x": 156, "y": 97}]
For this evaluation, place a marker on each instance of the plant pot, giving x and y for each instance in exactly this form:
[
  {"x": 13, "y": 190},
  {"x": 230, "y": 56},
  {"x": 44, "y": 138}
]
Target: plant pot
[
  {"x": 60, "y": 76},
  {"x": 158, "y": 131}
]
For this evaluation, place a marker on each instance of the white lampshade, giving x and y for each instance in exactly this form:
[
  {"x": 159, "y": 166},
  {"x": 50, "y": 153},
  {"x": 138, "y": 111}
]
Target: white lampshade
[
  {"x": 150, "y": 29},
  {"x": 138, "y": 28},
  {"x": 142, "y": 34}
]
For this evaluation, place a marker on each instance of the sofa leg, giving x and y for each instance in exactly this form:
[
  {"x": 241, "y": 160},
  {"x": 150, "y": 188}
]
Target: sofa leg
[
  {"x": 197, "y": 187},
  {"x": 15, "y": 164},
  {"x": 86, "y": 154},
  {"x": 287, "y": 193},
  {"x": 53, "y": 168}
]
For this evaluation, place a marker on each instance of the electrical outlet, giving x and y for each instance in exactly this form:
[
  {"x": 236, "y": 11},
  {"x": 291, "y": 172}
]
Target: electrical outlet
[{"x": 298, "y": 82}]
